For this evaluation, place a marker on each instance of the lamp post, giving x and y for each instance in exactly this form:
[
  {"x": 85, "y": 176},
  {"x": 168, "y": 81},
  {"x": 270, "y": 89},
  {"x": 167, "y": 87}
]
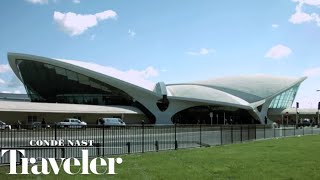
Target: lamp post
[
  {"x": 211, "y": 116},
  {"x": 217, "y": 115}
]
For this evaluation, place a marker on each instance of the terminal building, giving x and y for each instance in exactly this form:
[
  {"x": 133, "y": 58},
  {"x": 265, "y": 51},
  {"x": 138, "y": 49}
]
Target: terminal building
[{"x": 58, "y": 89}]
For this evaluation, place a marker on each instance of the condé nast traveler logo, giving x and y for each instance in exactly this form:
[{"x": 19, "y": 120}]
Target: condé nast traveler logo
[{"x": 47, "y": 166}]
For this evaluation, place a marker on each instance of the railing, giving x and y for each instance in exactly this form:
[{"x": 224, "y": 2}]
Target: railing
[{"x": 42, "y": 142}]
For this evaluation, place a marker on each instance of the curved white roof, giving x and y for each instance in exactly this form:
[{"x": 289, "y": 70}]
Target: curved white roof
[
  {"x": 204, "y": 93},
  {"x": 248, "y": 88},
  {"x": 232, "y": 91},
  {"x": 113, "y": 81}
]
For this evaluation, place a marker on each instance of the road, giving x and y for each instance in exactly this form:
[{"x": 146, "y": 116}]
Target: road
[{"x": 109, "y": 141}]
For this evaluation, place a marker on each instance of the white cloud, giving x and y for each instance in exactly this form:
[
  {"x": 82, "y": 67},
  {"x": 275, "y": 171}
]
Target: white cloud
[
  {"x": 131, "y": 33},
  {"x": 4, "y": 68},
  {"x": 38, "y": 1},
  {"x": 14, "y": 83},
  {"x": 76, "y": 1},
  {"x": 12, "y": 92},
  {"x": 202, "y": 52},
  {"x": 279, "y": 51},
  {"x": 312, "y": 72},
  {"x": 300, "y": 17},
  {"x": 275, "y": 26},
  {"x": 5, "y": 92},
  {"x": 75, "y": 24},
  {"x": 137, "y": 77},
  {"x": 312, "y": 2},
  {"x": 17, "y": 92},
  {"x": 2, "y": 82}
]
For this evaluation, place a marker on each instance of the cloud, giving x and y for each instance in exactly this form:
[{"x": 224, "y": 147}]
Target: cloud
[
  {"x": 201, "y": 52},
  {"x": 300, "y": 17},
  {"x": 275, "y": 26},
  {"x": 4, "y": 68},
  {"x": 14, "y": 82},
  {"x": 75, "y": 24},
  {"x": 38, "y": 1},
  {"x": 2, "y": 82},
  {"x": 311, "y": 2},
  {"x": 76, "y": 1},
  {"x": 137, "y": 77},
  {"x": 12, "y": 92},
  {"x": 131, "y": 33},
  {"x": 279, "y": 51},
  {"x": 312, "y": 72}
]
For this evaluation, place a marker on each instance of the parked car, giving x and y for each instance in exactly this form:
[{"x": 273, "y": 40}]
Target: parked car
[
  {"x": 38, "y": 125},
  {"x": 3, "y": 125},
  {"x": 305, "y": 122},
  {"x": 72, "y": 123},
  {"x": 111, "y": 122}
]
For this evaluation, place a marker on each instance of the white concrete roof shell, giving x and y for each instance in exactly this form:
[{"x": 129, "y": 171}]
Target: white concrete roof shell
[
  {"x": 248, "y": 88},
  {"x": 204, "y": 93}
]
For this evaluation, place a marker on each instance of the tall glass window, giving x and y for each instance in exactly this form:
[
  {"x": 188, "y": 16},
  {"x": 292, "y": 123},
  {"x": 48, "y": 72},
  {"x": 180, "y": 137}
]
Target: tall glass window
[
  {"x": 48, "y": 83},
  {"x": 285, "y": 99}
]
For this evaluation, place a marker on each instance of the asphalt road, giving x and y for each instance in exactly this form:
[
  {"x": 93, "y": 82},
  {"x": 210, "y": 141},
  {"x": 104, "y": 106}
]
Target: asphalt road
[{"x": 111, "y": 141}]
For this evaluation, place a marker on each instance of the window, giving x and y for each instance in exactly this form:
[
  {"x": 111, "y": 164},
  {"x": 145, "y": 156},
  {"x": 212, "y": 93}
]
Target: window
[
  {"x": 49, "y": 83},
  {"x": 285, "y": 99}
]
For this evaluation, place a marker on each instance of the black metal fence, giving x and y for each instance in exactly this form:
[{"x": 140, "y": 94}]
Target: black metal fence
[{"x": 102, "y": 141}]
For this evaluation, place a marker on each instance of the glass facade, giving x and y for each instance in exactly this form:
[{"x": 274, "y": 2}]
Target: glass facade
[
  {"x": 48, "y": 83},
  {"x": 285, "y": 99}
]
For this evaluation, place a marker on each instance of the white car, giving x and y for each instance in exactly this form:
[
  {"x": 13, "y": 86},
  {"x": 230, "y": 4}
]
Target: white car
[
  {"x": 3, "y": 125},
  {"x": 111, "y": 122},
  {"x": 72, "y": 123}
]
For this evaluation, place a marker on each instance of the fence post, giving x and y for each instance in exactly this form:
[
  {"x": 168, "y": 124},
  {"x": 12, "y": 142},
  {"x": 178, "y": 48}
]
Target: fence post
[
  {"x": 221, "y": 135},
  {"x": 264, "y": 131},
  {"x": 274, "y": 132},
  {"x": 240, "y": 133},
  {"x": 311, "y": 130},
  {"x": 175, "y": 136},
  {"x": 248, "y": 132},
  {"x": 231, "y": 134},
  {"x": 200, "y": 134},
  {"x": 157, "y": 146},
  {"x": 103, "y": 140},
  {"x": 255, "y": 131},
  {"x": 284, "y": 130},
  {"x": 55, "y": 138},
  {"x": 303, "y": 130},
  {"x": 142, "y": 136},
  {"x": 128, "y": 144},
  {"x": 294, "y": 131}
]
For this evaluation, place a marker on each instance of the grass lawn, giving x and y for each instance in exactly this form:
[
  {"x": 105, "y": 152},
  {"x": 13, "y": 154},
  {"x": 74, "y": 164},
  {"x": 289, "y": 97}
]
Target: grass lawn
[{"x": 285, "y": 158}]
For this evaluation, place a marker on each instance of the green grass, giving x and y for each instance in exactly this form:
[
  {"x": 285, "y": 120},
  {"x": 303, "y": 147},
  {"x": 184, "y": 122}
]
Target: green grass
[{"x": 287, "y": 158}]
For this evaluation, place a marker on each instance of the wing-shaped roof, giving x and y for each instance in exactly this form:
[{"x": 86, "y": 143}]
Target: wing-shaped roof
[
  {"x": 204, "y": 93},
  {"x": 248, "y": 88}
]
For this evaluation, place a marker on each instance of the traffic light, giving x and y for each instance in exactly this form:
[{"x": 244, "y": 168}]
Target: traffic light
[
  {"x": 318, "y": 105},
  {"x": 297, "y": 105}
]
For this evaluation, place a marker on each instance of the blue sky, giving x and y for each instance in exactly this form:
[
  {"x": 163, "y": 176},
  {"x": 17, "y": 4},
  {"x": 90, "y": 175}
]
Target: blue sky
[{"x": 170, "y": 41}]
